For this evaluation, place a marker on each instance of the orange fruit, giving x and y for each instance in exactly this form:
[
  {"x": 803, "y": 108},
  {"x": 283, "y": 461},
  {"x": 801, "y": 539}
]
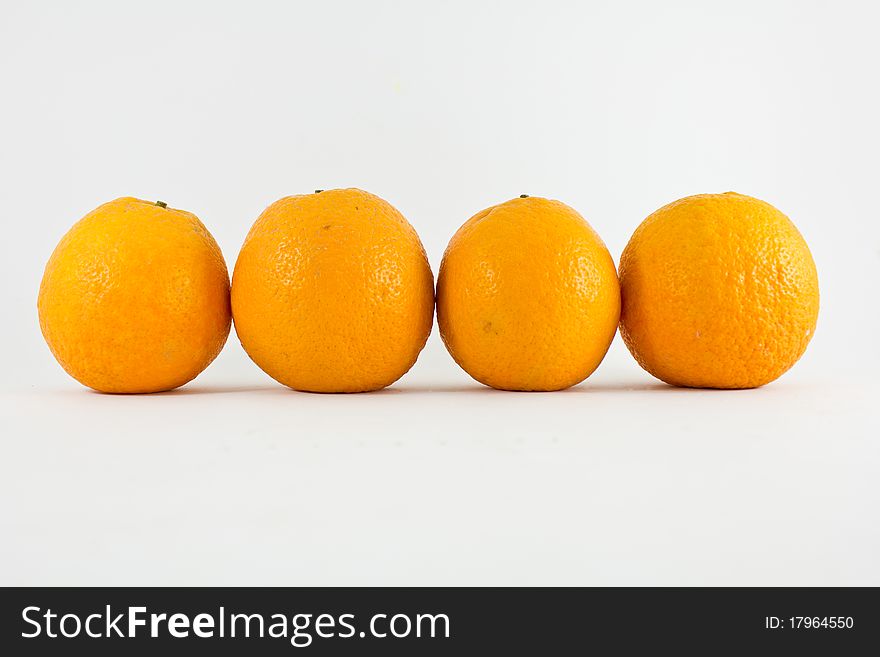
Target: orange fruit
[
  {"x": 135, "y": 298},
  {"x": 527, "y": 297},
  {"x": 719, "y": 291},
  {"x": 332, "y": 292}
]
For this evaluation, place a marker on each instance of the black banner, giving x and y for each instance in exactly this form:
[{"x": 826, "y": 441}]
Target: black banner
[{"x": 446, "y": 621}]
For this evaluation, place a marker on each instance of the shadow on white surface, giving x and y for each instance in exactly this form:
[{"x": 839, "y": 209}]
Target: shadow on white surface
[{"x": 418, "y": 389}]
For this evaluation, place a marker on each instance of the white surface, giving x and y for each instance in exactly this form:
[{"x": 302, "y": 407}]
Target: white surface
[{"x": 615, "y": 109}]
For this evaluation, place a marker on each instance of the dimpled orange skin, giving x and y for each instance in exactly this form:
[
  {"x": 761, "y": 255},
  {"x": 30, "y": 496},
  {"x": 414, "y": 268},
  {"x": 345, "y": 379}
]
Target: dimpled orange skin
[
  {"x": 719, "y": 291},
  {"x": 332, "y": 292},
  {"x": 527, "y": 297},
  {"x": 135, "y": 298}
]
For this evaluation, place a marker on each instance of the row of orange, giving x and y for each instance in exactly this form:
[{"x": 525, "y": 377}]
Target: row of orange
[{"x": 332, "y": 292}]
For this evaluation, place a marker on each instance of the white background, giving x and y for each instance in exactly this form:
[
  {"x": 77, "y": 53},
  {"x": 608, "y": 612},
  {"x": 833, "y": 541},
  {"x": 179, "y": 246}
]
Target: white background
[{"x": 443, "y": 109}]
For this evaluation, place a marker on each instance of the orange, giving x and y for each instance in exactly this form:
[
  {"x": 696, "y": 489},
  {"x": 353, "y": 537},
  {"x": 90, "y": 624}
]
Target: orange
[
  {"x": 135, "y": 298},
  {"x": 332, "y": 292},
  {"x": 719, "y": 291},
  {"x": 527, "y": 297}
]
